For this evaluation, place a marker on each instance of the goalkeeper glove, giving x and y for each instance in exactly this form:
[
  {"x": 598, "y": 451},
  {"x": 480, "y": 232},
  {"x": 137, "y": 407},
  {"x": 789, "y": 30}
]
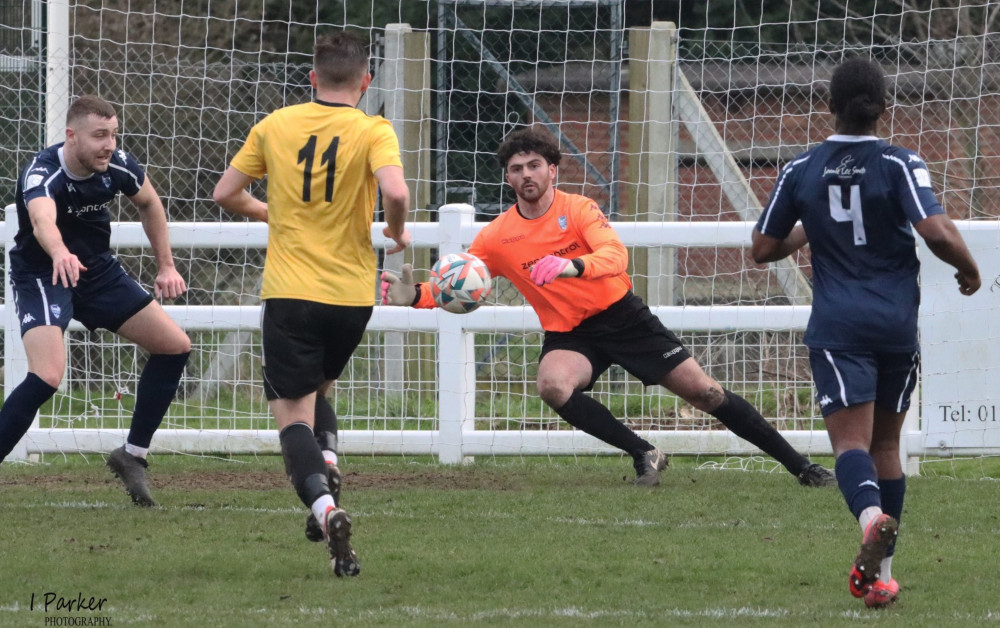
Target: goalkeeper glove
[
  {"x": 399, "y": 291},
  {"x": 549, "y": 267}
]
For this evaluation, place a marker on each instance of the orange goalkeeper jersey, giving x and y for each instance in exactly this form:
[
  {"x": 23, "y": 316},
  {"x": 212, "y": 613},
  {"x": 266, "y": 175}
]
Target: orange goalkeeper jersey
[{"x": 573, "y": 227}]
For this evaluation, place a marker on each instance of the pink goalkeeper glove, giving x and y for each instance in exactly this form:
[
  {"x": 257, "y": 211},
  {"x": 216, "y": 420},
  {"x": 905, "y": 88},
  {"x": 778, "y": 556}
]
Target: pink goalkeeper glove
[{"x": 549, "y": 267}]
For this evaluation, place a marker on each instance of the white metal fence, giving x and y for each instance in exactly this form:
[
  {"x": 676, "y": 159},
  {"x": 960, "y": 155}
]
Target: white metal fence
[{"x": 455, "y": 437}]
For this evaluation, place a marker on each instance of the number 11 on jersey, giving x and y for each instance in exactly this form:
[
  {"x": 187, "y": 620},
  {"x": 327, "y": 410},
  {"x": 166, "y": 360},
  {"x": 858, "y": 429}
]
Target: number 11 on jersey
[{"x": 329, "y": 159}]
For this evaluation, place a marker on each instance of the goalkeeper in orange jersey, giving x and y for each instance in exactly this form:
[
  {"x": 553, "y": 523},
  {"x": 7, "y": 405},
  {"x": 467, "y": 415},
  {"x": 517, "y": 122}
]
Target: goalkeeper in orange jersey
[{"x": 561, "y": 252}]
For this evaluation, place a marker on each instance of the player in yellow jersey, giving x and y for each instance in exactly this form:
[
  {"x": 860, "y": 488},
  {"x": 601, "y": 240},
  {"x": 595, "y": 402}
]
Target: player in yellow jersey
[
  {"x": 561, "y": 252},
  {"x": 324, "y": 161}
]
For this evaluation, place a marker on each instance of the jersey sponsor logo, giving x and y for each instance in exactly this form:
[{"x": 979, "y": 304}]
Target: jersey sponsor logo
[
  {"x": 27, "y": 318},
  {"x": 512, "y": 240},
  {"x": 845, "y": 169},
  {"x": 673, "y": 351},
  {"x": 33, "y": 181},
  {"x": 825, "y": 401},
  {"x": 563, "y": 252},
  {"x": 55, "y": 309},
  {"x": 87, "y": 209},
  {"x": 563, "y": 222}
]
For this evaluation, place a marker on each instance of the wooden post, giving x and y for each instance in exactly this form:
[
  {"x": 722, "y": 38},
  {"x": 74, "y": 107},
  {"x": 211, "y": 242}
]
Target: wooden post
[{"x": 653, "y": 152}]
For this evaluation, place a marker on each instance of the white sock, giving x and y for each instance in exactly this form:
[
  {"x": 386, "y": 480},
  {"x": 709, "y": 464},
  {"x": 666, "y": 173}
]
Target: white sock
[
  {"x": 867, "y": 516},
  {"x": 886, "y": 574},
  {"x": 320, "y": 506},
  {"x": 330, "y": 457},
  {"x": 135, "y": 450}
]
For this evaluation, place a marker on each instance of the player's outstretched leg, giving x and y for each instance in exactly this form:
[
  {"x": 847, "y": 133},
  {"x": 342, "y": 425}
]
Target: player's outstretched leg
[
  {"x": 648, "y": 467},
  {"x": 816, "y": 475},
  {"x": 314, "y": 531},
  {"x": 131, "y": 470},
  {"x": 866, "y": 568},
  {"x": 343, "y": 559}
]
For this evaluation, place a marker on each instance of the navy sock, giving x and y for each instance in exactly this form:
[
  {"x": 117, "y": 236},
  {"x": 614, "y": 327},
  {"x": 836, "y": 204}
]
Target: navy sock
[
  {"x": 19, "y": 411},
  {"x": 742, "y": 419},
  {"x": 157, "y": 388},
  {"x": 325, "y": 424},
  {"x": 858, "y": 480},
  {"x": 590, "y": 416},
  {"x": 893, "y": 492},
  {"x": 304, "y": 463}
]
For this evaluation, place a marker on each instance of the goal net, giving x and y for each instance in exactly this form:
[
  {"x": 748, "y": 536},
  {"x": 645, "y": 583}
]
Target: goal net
[{"x": 666, "y": 119}]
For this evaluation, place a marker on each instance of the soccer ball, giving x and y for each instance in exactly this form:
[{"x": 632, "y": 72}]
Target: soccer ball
[{"x": 460, "y": 282}]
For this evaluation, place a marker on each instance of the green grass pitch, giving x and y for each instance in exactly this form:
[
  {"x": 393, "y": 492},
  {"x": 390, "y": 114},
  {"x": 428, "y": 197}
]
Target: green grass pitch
[{"x": 503, "y": 541}]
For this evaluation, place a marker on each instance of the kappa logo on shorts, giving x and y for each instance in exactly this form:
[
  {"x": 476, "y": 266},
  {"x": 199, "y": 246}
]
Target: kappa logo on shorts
[
  {"x": 55, "y": 309},
  {"x": 27, "y": 318},
  {"x": 825, "y": 401}
]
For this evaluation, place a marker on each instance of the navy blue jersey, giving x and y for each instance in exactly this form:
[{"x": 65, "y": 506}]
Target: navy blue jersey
[
  {"x": 83, "y": 213},
  {"x": 856, "y": 198}
]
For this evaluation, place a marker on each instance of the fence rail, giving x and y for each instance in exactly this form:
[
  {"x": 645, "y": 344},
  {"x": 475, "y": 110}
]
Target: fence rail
[{"x": 456, "y": 437}]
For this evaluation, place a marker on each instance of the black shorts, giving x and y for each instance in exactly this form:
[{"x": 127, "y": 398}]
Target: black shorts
[
  {"x": 305, "y": 343},
  {"x": 627, "y": 334},
  {"x": 105, "y": 296}
]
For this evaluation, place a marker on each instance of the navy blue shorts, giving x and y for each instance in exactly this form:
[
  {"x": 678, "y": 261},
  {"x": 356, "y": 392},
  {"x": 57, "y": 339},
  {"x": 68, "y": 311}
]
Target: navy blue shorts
[
  {"x": 305, "y": 343},
  {"x": 104, "y": 297},
  {"x": 850, "y": 378},
  {"x": 627, "y": 334}
]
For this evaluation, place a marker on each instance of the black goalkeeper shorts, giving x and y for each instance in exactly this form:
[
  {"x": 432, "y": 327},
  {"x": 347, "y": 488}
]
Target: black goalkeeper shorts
[
  {"x": 305, "y": 343},
  {"x": 627, "y": 334}
]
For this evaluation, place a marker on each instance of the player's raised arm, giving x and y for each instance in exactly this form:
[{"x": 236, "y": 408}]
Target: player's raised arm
[
  {"x": 66, "y": 267},
  {"x": 231, "y": 194},
  {"x": 168, "y": 284}
]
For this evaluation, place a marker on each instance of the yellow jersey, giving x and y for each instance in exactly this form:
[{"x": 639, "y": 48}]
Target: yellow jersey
[{"x": 320, "y": 160}]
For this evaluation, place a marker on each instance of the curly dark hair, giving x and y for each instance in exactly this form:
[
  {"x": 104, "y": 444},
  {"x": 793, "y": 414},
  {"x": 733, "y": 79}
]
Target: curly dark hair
[
  {"x": 529, "y": 141},
  {"x": 857, "y": 92}
]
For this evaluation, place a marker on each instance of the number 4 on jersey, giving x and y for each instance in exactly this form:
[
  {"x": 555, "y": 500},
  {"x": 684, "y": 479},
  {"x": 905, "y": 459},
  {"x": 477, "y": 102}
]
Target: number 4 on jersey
[{"x": 852, "y": 215}]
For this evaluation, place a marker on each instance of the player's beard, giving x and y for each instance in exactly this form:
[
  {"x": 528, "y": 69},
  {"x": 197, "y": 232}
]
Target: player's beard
[{"x": 534, "y": 193}]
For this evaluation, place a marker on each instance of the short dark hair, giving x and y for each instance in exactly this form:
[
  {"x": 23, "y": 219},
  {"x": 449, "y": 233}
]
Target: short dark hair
[
  {"x": 857, "y": 92},
  {"x": 89, "y": 105},
  {"x": 529, "y": 141},
  {"x": 340, "y": 59}
]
